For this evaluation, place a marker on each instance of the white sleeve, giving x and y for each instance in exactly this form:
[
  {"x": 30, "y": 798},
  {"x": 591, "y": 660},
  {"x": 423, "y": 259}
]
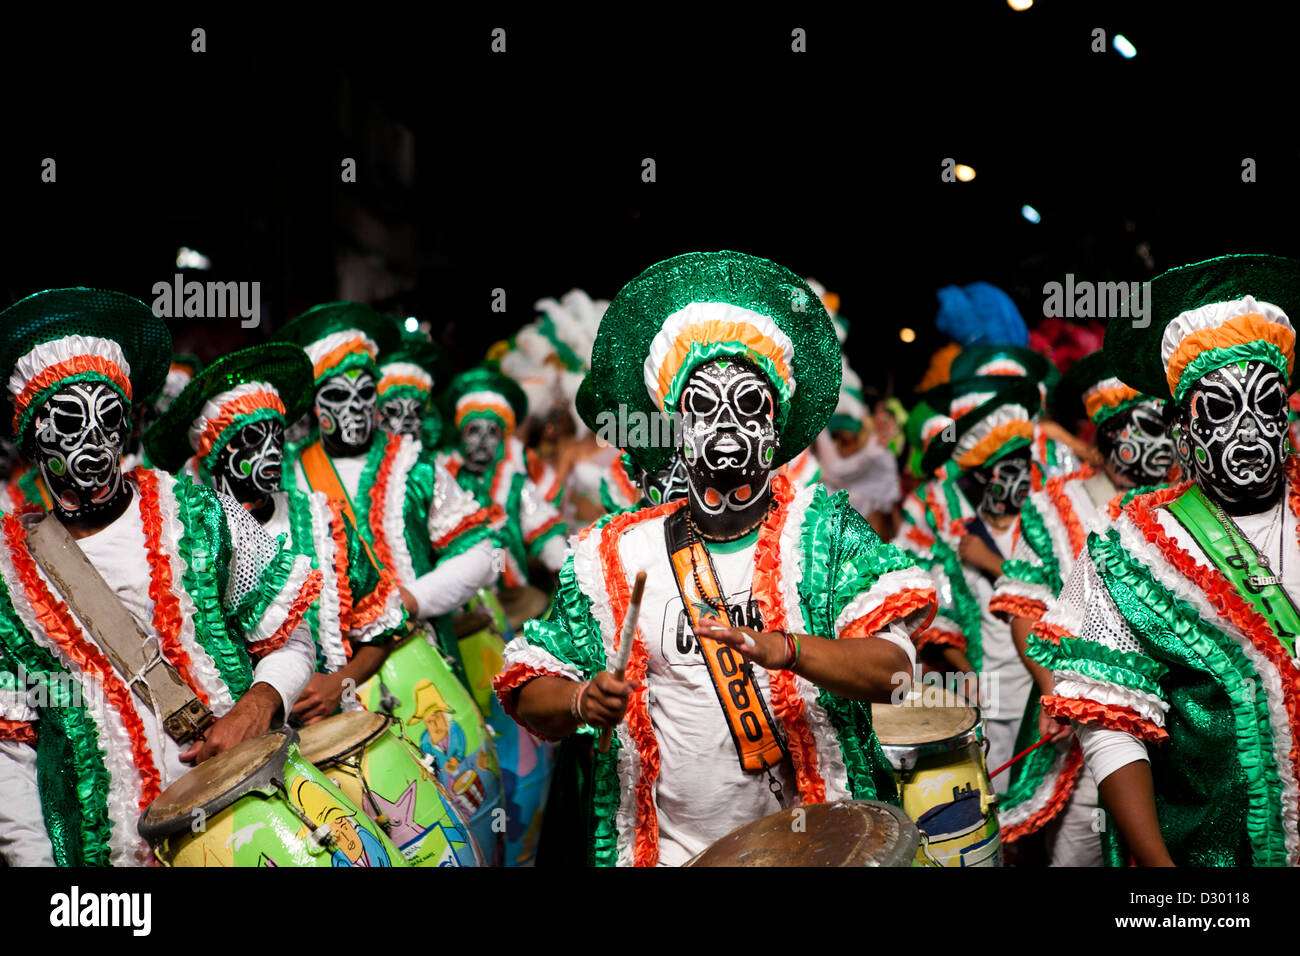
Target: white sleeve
[
  {"x": 895, "y": 633},
  {"x": 554, "y": 552},
  {"x": 455, "y": 580},
  {"x": 23, "y": 841},
  {"x": 1105, "y": 750},
  {"x": 288, "y": 668}
]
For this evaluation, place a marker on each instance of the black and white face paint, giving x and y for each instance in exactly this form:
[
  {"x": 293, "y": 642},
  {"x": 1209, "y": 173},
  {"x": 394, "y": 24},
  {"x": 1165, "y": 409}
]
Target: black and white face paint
[
  {"x": 346, "y": 408},
  {"x": 402, "y": 415},
  {"x": 1137, "y": 446},
  {"x": 79, "y": 435},
  {"x": 668, "y": 483},
  {"x": 730, "y": 440},
  {"x": 1232, "y": 431},
  {"x": 1006, "y": 485},
  {"x": 480, "y": 440},
  {"x": 248, "y": 466}
]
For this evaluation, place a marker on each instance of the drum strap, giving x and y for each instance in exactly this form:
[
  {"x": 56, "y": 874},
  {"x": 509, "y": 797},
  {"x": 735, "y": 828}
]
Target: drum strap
[
  {"x": 759, "y": 743},
  {"x": 135, "y": 654}
]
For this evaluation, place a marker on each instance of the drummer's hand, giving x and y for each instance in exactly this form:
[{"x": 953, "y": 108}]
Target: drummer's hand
[
  {"x": 1051, "y": 727},
  {"x": 250, "y": 717},
  {"x": 408, "y": 601},
  {"x": 764, "y": 648},
  {"x": 605, "y": 700},
  {"x": 320, "y": 698}
]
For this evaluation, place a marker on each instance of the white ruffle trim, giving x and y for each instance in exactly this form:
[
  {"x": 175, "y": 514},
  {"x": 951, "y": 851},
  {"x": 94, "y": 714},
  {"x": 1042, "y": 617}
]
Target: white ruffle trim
[
  {"x": 277, "y": 611},
  {"x": 1077, "y": 687},
  {"x": 1211, "y": 316},
  {"x": 13, "y": 706},
  {"x": 212, "y": 407},
  {"x": 394, "y": 516},
  {"x": 322, "y": 347},
  {"x": 452, "y": 504},
  {"x": 391, "y": 370},
  {"x": 888, "y": 584},
  {"x": 520, "y": 651},
  {"x": 329, "y": 630},
  {"x": 66, "y": 349},
  {"x": 1013, "y": 816}
]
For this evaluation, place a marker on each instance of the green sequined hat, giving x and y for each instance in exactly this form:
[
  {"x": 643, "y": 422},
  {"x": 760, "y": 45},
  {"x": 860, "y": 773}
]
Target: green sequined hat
[
  {"x": 58, "y": 336},
  {"x": 484, "y": 391},
  {"x": 1000, "y": 423},
  {"x": 1204, "y": 316},
  {"x": 271, "y": 381},
  {"x": 1090, "y": 389},
  {"x": 338, "y": 336},
  {"x": 692, "y": 308}
]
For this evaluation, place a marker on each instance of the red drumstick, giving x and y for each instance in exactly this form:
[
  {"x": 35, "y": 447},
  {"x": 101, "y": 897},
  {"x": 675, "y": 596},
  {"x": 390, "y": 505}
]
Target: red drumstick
[
  {"x": 1023, "y": 753},
  {"x": 625, "y": 645}
]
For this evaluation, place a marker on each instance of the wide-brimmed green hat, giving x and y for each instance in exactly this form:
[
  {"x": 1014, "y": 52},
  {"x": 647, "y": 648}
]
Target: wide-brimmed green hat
[
  {"x": 692, "y": 308},
  {"x": 1090, "y": 389},
  {"x": 338, "y": 336},
  {"x": 484, "y": 391},
  {"x": 64, "y": 335},
  {"x": 1000, "y": 424},
  {"x": 229, "y": 384},
  {"x": 1204, "y": 316}
]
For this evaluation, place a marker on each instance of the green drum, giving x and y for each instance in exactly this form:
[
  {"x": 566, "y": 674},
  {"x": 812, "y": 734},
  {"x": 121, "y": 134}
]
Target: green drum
[
  {"x": 262, "y": 804},
  {"x": 418, "y": 689},
  {"x": 384, "y": 775}
]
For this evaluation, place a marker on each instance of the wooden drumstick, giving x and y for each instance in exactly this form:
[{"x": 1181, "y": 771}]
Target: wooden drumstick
[{"x": 625, "y": 646}]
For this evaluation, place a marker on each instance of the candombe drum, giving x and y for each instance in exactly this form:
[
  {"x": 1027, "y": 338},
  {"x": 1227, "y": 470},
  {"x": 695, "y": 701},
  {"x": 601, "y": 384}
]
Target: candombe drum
[
  {"x": 384, "y": 776},
  {"x": 261, "y": 804},
  {"x": 527, "y": 762},
  {"x": 842, "y": 833},
  {"x": 523, "y": 604},
  {"x": 936, "y": 750},
  {"x": 416, "y": 687}
]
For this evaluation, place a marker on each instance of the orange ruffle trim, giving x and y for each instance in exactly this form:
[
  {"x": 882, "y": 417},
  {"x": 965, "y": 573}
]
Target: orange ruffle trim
[
  {"x": 1111, "y": 716},
  {"x": 1065, "y": 782},
  {"x": 305, "y": 599},
  {"x": 378, "y": 498},
  {"x": 995, "y": 439},
  {"x": 895, "y": 606},
  {"x": 1050, "y": 632},
  {"x": 19, "y": 731},
  {"x": 242, "y": 405},
  {"x": 482, "y": 516},
  {"x": 938, "y": 637},
  {"x": 545, "y": 527},
  {"x": 1238, "y": 330},
  {"x": 53, "y": 616},
  {"x": 510, "y": 680},
  {"x": 1014, "y": 605},
  {"x": 167, "y": 619},
  {"x": 61, "y": 370},
  {"x": 1074, "y": 530}
]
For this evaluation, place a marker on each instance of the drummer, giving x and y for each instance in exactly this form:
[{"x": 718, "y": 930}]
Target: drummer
[
  {"x": 491, "y": 462},
  {"x": 222, "y": 600},
  {"x": 757, "y": 569},
  {"x": 227, "y": 428}
]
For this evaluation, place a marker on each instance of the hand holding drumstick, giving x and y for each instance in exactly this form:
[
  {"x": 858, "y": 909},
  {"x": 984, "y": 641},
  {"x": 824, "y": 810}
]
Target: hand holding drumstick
[{"x": 624, "y": 652}]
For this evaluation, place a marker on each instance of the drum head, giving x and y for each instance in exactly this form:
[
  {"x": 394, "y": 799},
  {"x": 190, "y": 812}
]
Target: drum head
[
  {"x": 465, "y": 623},
  {"x": 216, "y": 783},
  {"x": 336, "y": 736},
  {"x": 523, "y": 604},
  {"x": 918, "y": 726},
  {"x": 843, "y": 833}
]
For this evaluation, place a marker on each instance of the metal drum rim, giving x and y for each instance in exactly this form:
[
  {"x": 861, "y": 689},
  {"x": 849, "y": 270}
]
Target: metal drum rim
[{"x": 355, "y": 747}]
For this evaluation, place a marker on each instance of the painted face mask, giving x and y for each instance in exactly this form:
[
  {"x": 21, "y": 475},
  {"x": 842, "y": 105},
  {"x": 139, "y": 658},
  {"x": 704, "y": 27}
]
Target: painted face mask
[
  {"x": 730, "y": 435},
  {"x": 1232, "y": 428},
  {"x": 1006, "y": 486},
  {"x": 248, "y": 467},
  {"x": 80, "y": 434},
  {"x": 667, "y": 483},
  {"x": 346, "y": 410},
  {"x": 480, "y": 439},
  {"x": 1136, "y": 445},
  {"x": 402, "y": 416}
]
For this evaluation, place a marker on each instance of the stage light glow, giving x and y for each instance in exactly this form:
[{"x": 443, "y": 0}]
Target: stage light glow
[
  {"x": 964, "y": 173},
  {"x": 1018, "y": 5},
  {"x": 907, "y": 335},
  {"x": 1030, "y": 213},
  {"x": 1123, "y": 47},
  {"x": 412, "y": 324},
  {"x": 187, "y": 258}
]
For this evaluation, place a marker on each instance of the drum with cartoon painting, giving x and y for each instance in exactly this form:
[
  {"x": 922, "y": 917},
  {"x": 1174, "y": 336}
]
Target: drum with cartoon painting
[
  {"x": 385, "y": 776},
  {"x": 261, "y": 804},
  {"x": 417, "y": 687},
  {"x": 936, "y": 747},
  {"x": 527, "y": 762}
]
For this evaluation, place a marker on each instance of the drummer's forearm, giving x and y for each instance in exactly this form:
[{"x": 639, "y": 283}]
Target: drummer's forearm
[
  {"x": 365, "y": 663},
  {"x": 866, "y": 669},
  {"x": 1043, "y": 678},
  {"x": 454, "y": 581},
  {"x": 545, "y": 704}
]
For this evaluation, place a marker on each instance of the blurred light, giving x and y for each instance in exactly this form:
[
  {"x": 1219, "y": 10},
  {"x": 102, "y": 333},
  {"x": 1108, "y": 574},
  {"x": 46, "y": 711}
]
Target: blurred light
[
  {"x": 412, "y": 324},
  {"x": 1030, "y": 213},
  {"x": 1123, "y": 47},
  {"x": 907, "y": 335},
  {"x": 1019, "y": 5},
  {"x": 187, "y": 258},
  {"x": 964, "y": 173}
]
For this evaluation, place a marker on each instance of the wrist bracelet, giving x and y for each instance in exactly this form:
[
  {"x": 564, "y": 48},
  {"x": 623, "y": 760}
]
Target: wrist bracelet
[{"x": 577, "y": 703}]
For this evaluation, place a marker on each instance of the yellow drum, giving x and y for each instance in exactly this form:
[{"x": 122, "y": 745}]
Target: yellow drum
[
  {"x": 936, "y": 750},
  {"x": 385, "y": 776},
  {"x": 262, "y": 804}
]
